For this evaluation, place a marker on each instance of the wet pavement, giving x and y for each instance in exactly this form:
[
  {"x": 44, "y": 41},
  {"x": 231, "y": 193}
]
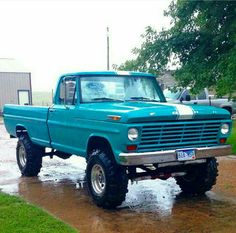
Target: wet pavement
[{"x": 150, "y": 206}]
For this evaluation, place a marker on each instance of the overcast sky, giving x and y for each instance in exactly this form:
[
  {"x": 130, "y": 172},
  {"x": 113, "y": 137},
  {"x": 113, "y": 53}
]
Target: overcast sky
[{"x": 54, "y": 37}]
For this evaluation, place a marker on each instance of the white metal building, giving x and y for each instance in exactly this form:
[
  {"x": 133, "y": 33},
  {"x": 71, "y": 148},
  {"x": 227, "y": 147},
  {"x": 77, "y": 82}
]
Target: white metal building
[{"x": 15, "y": 83}]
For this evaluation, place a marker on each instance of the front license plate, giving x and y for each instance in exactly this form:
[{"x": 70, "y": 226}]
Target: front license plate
[{"x": 183, "y": 155}]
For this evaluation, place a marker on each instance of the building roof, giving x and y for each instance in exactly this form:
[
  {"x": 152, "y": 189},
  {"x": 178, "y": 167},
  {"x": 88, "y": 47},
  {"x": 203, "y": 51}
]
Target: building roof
[
  {"x": 167, "y": 79},
  {"x": 12, "y": 65}
]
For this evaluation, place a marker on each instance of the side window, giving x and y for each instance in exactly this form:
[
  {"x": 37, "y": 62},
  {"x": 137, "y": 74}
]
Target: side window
[
  {"x": 193, "y": 97},
  {"x": 186, "y": 92},
  {"x": 68, "y": 92},
  {"x": 202, "y": 95}
]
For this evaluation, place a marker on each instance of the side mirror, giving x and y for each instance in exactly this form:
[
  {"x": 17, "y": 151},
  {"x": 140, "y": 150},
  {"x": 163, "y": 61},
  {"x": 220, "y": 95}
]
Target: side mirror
[{"x": 187, "y": 97}]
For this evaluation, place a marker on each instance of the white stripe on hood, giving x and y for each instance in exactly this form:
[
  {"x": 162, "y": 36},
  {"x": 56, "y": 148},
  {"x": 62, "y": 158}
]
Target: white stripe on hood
[{"x": 184, "y": 112}]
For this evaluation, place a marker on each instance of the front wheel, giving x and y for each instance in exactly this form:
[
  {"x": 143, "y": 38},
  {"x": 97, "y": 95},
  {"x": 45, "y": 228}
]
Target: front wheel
[
  {"x": 29, "y": 156},
  {"x": 107, "y": 181},
  {"x": 199, "y": 178}
]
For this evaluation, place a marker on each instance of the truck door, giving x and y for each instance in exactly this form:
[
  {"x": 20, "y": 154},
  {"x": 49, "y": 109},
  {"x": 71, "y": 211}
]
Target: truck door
[
  {"x": 202, "y": 98},
  {"x": 61, "y": 119}
]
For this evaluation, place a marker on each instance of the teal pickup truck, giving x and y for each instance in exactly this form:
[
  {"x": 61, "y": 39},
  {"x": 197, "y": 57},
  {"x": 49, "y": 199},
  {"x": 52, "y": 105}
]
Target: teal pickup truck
[{"x": 121, "y": 123}]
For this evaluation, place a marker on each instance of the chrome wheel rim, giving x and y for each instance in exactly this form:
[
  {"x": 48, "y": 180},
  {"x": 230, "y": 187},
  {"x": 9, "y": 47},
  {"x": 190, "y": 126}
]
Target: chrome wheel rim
[
  {"x": 22, "y": 156},
  {"x": 98, "y": 179}
]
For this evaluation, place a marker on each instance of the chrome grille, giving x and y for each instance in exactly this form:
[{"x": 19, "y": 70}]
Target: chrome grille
[{"x": 174, "y": 135}]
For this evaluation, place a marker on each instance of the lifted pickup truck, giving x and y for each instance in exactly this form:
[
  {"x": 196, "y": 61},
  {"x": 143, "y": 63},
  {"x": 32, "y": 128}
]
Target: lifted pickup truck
[{"x": 121, "y": 123}]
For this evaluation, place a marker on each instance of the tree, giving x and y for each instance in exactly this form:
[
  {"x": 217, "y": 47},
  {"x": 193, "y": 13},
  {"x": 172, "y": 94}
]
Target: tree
[{"x": 201, "y": 43}]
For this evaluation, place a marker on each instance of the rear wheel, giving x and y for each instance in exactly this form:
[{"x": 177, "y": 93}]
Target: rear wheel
[
  {"x": 29, "y": 156},
  {"x": 107, "y": 181},
  {"x": 199, "y": 178}
]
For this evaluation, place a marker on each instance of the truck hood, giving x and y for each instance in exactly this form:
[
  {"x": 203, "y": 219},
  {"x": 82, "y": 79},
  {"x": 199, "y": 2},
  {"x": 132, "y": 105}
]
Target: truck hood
[{"x": 134, "y": 112}]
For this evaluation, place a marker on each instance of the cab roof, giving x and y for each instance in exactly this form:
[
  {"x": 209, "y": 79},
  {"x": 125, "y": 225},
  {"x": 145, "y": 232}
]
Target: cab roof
[{"x": 109, "y": 73}]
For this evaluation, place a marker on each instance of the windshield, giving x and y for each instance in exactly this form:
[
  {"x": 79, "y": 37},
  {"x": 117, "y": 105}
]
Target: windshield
[
  {"x": 113, "y": 88},
  {"x": 171, "y": 94}
]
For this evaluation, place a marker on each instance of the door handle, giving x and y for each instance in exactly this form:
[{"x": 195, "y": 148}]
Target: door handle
[
  {"x": 52, "y": 109},
  {"x": 195, "y": 102}
]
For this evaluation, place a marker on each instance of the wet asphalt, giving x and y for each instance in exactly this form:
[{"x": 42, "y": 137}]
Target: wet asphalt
[{"x": 150, "y": 206}]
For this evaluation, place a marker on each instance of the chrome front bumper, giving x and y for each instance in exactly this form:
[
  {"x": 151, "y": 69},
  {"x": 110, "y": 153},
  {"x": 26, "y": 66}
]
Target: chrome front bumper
[{"x": 168, "y": 156}]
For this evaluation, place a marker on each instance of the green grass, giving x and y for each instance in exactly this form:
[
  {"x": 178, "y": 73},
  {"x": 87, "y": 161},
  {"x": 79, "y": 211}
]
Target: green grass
[
  {"x": 17, "y": 216},
  {"x": 232, "y": 139}
]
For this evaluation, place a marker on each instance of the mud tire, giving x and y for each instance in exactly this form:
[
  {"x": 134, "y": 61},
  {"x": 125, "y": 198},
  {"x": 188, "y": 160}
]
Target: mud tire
[
  {"x": 115, "y": 178},
  {"x": 33, "y": 156},
  {"x": 199, "y": 178}
]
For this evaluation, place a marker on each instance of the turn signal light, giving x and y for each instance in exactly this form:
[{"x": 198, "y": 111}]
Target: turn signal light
[
  {"x": 114, "y": 118},
  {"x": 223, "y": 140},
  {"x": 131, "y": 147}
]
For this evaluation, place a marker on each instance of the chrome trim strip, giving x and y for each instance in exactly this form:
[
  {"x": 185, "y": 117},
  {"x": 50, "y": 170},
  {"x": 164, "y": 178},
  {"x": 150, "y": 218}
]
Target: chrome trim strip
[{"x": 166, "y": 156}]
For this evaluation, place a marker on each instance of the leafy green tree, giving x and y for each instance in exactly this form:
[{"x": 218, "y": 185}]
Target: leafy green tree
[{"x": 200, "y": 44}]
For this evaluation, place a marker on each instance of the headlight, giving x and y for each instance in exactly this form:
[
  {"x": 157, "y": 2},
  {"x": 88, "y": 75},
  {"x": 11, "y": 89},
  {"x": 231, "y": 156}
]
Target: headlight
[
  {"x": 224, "y": 128},
  {"x": 132, "y": 134}
]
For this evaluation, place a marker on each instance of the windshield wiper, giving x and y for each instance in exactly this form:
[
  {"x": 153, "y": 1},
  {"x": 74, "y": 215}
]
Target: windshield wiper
[
  {"x": 142, "y": 99},
  {"x": 106, "y": 99}
]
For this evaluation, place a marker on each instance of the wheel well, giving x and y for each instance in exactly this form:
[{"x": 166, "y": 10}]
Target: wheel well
[
  {"x": 228, "y": 109},
  {"x": 99, "y": 142},
  {"x": 20, "y": 130}
]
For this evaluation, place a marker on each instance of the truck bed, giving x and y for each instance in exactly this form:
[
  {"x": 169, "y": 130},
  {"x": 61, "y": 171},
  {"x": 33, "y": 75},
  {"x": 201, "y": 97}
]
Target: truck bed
[{"x": 31, "y": 118}]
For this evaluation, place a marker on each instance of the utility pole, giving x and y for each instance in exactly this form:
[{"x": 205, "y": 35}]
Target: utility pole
[{"x": 108, "y": 49}]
